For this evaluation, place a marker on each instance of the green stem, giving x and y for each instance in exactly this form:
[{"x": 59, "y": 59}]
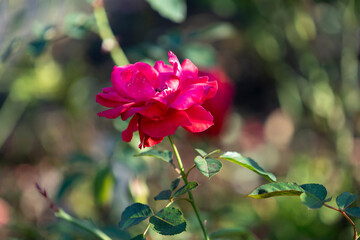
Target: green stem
[
  {"x": 146, "y": 230},
  {"x": 91, "y": 229},
  {"x": 356, "y": 235},
  {"x": 106, "y": 34},
  {"x": 187, "y": 174},
  {"x": 184, "y": 177}
]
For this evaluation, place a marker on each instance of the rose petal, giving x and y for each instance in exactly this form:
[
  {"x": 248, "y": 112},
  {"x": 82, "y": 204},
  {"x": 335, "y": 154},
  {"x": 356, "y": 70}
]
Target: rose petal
[
  {"x": 155, "y": 110},
  {"x": 200, "y": 119},
  {"x": 195, "y": 94},
  {"x": 165, "y": 126},
  {"x": 161, "y": 67},
  {"x": 174, "y": 61},
  {"x": 120, "y": 74},
  {"x": 114, "y": 112},
  {"x": 189, "y": 69},
  {"x": 131, "y": 83},
  {"x": 113, "y": 96},
  {"x": 110, "y": 99},
  {"x": 146, "y": 141},
  {"x": 148, "y": 71},
  {"x": 127, "y": 134},
  {"x": 105, "y": 102},
  {"x": 130, "y": 112}
]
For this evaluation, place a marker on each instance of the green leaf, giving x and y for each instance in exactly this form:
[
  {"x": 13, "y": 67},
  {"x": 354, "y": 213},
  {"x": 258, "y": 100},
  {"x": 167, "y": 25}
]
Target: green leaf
[
  {"x": 213, "y": 152},
  {"x": 248, "y": 163},
  {"x": 134, "y": 214},
  {"x": 174, "y": 10},
  {"x": 201, "y": 152},
  {"x": 174, "y": 184},
  {"x": 232, "y": 233},
  {"x": 69, "y": 180},
  {"x": 163, "y": 155},
  {"x": 186, "y": 188},
  {"x": 163, "y": 195},
  {"x": 276, "y": 190},
  {"x": 138, "y": 237},
  {"x": 345, "y": 199},
  {"x": 208, "y": 166},
  {"x": 169, "y": 221},
  {"x": 355, "y": 211},
  {"x": 314, "y": 195}
]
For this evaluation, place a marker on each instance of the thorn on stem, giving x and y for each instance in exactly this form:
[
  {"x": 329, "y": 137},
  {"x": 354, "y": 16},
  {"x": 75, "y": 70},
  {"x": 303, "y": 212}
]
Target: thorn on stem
[{"x": 42, "y": 191}]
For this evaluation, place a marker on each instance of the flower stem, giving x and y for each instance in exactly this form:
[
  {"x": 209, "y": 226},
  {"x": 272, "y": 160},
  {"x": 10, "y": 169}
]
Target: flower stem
[
  {"x": 91, "y": 229},
  {"x": 356, "y": 235},
  {"x": 106, "y": 34},
  {"x": 184, "y": 177}
]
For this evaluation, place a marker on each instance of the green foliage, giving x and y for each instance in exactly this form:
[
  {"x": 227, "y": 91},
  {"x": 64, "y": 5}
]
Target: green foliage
[
  {"x": 314, "y": 195},
  {"x": 103, "y": 186},
  {"x": 134, "y": 214},
  {"x": 345, "y": 199},
  {"x": 168, "y": 221},
  {"x": 208, "y": 166},
  {"x": 163, "y": 155},
  {"x": 201, "y": 152},
  {"x": 174, "y": 184},
  {"x": 204, "y": 154},
  {"x": 174, "y": 10},
  {"x": 78, "y": 25},
  {"x": 355, "y": 211},
  {"x": 276, "y": 189},
  {"x": 68, "y": 181},
  {"x": 163, "y": 195},
  {"x": 186, "y": 188},
  {"x": 248, "y": 163},
  {"x": 37, "y": 47},
  {"x": 232, "y": 233},
  {"x": 139, "y": 237}
]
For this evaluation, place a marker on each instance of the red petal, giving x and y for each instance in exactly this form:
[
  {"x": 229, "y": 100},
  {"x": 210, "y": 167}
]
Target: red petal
[
  {"x": 152, "y": 111},
  {"x": 147, "y": 141},
  {"x": 189, "y": 69},
  {"x": 148, "y": 71},
  {"x": 130, "y": 83},
  {"x": 127, "y": 134},
  {"x": 174, "y": 61},
  {"x": 165, "y": 126},
  {"x": 200, "y": 119},
  {"x": 194, "y": 94},
  {"x": 161, "y": 67},
  {"x": 114, "y": 112}
]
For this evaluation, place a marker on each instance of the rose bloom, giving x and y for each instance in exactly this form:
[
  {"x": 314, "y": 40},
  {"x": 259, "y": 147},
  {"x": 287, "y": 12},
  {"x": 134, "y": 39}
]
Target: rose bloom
[
  {"x": 159, "y": 99},
  {"x": 221, "y": 103}
]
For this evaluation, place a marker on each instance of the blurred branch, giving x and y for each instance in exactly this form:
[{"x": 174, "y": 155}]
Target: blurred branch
[
  {"x": 59, "y": 213},
  {"x": 91, "y": 229},
  {"x": 109, "y": 41},
  {"x": 356, "y": 235}
]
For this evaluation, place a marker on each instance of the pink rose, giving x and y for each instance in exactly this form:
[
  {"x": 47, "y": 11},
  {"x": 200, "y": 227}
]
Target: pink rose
[{"x": 159, "y": 99}]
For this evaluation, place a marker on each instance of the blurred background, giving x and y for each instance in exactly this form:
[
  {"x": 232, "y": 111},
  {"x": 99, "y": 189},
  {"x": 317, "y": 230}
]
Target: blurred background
[{"x": 288, "y": 74}]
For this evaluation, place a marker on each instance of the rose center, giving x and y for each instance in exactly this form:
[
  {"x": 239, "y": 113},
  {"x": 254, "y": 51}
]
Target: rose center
[{"x": 160, "y": 89}]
